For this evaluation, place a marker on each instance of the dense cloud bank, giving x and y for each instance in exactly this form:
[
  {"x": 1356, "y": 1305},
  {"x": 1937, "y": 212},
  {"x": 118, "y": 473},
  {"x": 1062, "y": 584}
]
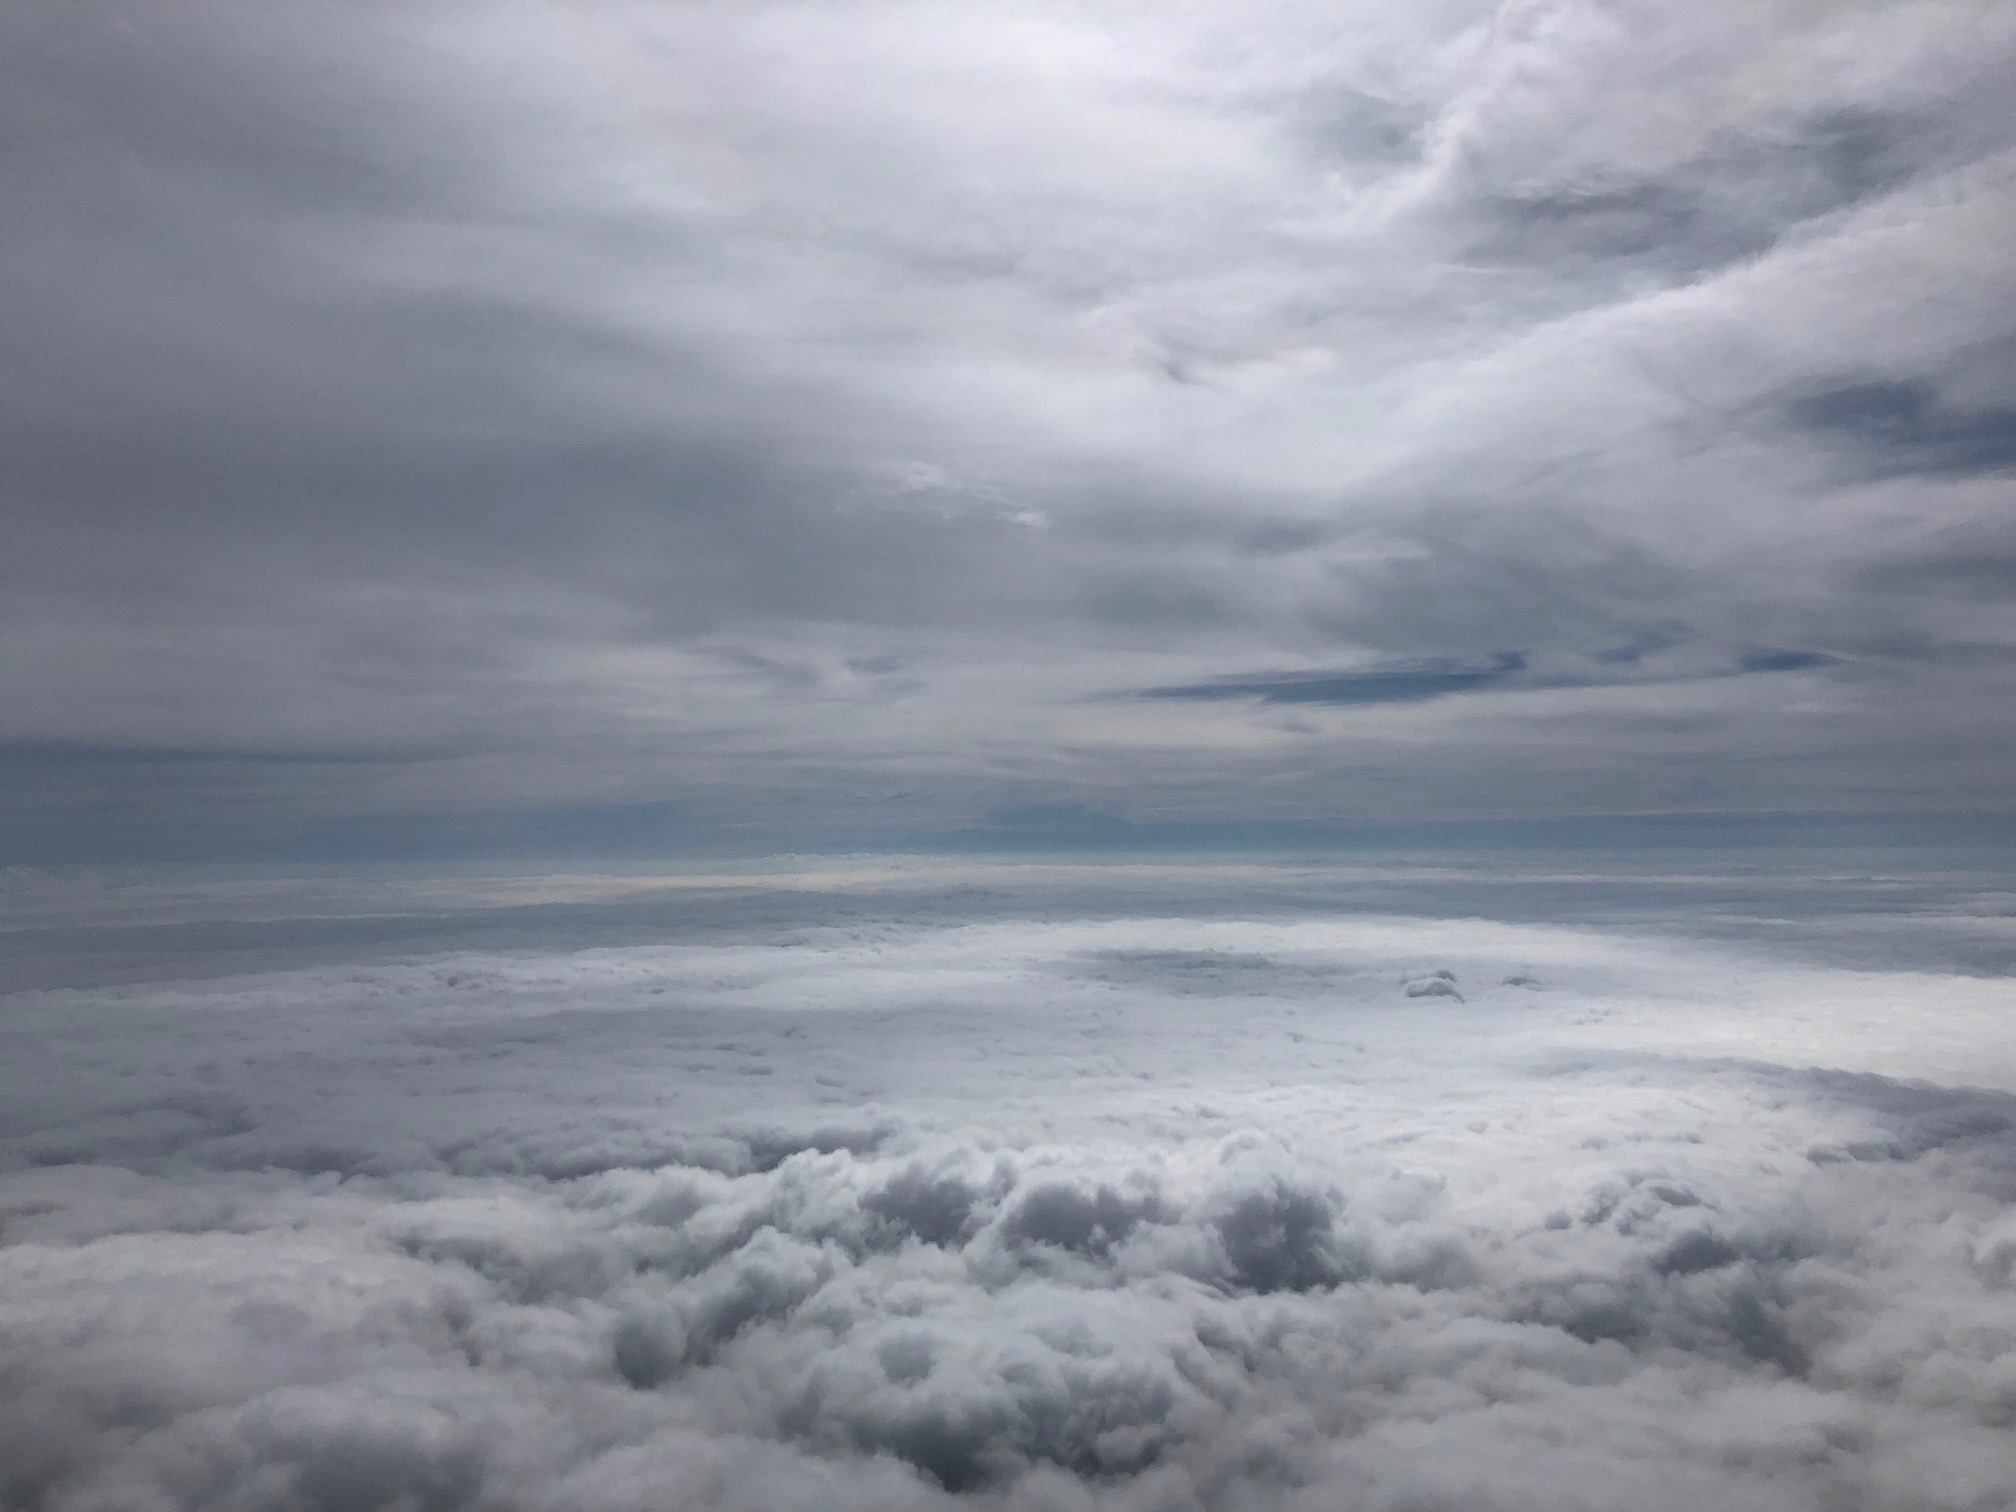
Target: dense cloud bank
[{"x": 1151, "y": 1210}]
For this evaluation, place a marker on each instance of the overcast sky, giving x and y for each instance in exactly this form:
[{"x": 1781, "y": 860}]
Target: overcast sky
[{"x": 789, "y": 421}]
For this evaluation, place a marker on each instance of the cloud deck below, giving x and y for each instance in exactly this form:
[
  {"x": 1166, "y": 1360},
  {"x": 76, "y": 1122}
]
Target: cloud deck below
[{"x": 870, "y": 1204}]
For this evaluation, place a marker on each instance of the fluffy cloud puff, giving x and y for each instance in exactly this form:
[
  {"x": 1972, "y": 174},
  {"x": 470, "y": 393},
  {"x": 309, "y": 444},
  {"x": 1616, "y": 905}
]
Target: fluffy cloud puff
[{"x": 1156, "y": 1210}]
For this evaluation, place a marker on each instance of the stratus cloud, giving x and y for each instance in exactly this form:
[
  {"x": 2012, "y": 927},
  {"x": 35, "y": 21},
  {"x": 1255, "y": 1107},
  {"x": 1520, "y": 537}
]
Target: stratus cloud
[
  {"x": 908, "y": 1209},
  {"x": 511, "y": 406}
]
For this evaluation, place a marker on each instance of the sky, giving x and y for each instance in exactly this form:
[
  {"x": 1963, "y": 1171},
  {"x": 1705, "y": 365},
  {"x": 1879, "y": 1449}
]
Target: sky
[
  {"x": 974, "y": 1185},
  {"x": 513, "y": 427},
  {"x": 1032, "y": 756}
]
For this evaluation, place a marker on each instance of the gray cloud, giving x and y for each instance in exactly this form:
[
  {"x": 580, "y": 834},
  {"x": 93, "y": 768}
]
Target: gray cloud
[
  {"x": 1406, "y": 683},
  {"x": 503, "y": 410},
  {"x": 1782, "y": 661},
  {"x": 1416, "y": 682},
  {"x": 1903, "y": 426},
  {"x": 1976, "y": 565}
]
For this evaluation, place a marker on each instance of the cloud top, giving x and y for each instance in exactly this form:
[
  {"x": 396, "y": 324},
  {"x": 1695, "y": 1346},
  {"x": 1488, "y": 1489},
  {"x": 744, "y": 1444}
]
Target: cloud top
[{"x": 932, "y": 1208}]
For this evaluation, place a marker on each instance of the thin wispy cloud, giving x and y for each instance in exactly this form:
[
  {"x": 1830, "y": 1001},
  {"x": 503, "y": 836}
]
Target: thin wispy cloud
[{"x": 1406, "y": 682}]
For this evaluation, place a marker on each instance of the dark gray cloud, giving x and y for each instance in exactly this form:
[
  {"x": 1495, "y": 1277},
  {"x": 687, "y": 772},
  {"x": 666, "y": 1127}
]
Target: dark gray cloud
[
  {"x": 1444, "y": 677},
  {"x": 1408, "y": 682},
  {"x": 1782, "y": 661},
  {"x": 1739, "y": 191},
  {"x": 1903, "y": 426}
]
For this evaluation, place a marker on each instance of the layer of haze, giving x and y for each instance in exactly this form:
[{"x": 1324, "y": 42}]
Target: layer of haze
[{"x": 504, "y": 424}]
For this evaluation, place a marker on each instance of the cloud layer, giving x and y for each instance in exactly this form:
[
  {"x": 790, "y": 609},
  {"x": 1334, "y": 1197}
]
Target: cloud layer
[
  {"x": 1247, "y": 1204},
  {"x": 806, "y": 417}
]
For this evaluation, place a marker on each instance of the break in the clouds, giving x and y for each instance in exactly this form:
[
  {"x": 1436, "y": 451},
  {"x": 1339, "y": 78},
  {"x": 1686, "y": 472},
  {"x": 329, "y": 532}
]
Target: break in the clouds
[
  {"x": 1039, "y": 1188},
  {"x": 815, "y": 420}
]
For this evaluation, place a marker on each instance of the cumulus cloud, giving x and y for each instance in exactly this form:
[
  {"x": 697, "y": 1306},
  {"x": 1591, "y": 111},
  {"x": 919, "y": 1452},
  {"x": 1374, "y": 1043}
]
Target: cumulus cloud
[{"x": 847, "y": 1198}]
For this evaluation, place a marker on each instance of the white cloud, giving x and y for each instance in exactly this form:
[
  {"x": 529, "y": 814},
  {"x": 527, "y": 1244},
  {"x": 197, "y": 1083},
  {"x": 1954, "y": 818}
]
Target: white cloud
[{"x": 847, "y": 1197}]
